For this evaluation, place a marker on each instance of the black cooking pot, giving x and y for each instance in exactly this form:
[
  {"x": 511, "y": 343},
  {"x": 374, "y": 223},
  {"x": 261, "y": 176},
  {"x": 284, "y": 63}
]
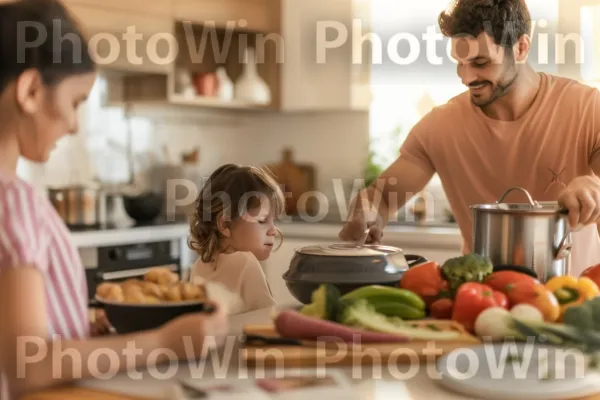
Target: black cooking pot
[
  {"x": 346, "y": 266},
  {"x": 127, "y": 318}
]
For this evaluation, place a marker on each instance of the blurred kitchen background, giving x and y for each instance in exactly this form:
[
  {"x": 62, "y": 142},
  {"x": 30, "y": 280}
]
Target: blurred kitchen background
[
  {"x": 337, "y": 123},
  {"x": 322, "y": 127}
]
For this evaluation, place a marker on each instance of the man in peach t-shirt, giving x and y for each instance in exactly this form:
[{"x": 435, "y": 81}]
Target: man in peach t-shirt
[{"x": 513, "y": 127}]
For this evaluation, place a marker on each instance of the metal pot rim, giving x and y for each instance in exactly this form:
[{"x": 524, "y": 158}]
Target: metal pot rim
[
  {"x": 338, "y": 249},
  {"x": 531, "y": 207},
  {"x": 544, "y": 208}
]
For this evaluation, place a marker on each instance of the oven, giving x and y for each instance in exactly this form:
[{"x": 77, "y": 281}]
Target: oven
[{"x": 126, "y": 261}]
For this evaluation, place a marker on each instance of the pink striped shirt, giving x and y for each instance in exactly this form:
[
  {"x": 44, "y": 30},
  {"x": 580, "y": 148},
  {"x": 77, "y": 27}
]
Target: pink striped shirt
[{"x": 32, "y": 233}]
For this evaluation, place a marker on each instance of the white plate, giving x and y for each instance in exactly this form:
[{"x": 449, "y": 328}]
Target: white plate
[{"x": 487, "y": 371}]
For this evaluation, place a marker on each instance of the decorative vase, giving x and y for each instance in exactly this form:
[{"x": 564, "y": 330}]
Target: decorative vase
[
  {"x": 250, "y": 86},
  {"x": 225, "y": 85}
]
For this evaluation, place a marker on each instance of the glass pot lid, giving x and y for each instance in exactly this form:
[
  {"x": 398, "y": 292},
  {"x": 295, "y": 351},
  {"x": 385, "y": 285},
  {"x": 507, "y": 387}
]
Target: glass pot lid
[{"x": 349, "y": 250}]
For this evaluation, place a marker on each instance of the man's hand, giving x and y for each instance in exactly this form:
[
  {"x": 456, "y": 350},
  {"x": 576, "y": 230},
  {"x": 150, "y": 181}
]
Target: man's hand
[
  {"x": 362, "y": 217},
  {"x": 582, "y": 198}
]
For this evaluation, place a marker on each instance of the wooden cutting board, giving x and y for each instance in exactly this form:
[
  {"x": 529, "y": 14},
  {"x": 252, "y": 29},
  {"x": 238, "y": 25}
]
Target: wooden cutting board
[
  {"x": 297, "y": 179},
  {"x": 335, "y": 354}
]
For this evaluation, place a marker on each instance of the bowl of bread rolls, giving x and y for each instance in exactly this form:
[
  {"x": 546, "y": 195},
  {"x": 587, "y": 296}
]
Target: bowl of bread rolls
[{"x": 147, "y": 303}]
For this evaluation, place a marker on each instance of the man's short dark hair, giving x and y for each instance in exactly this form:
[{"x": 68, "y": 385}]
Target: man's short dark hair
[{"x": 504, "y": 20}]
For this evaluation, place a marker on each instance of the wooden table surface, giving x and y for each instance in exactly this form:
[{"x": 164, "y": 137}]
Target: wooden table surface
[
  {"x": 70, "y": 393},
  {"x": 419, "y": 388}
]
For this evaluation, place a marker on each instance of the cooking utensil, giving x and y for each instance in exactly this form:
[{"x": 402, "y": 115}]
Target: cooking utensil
[
  {"x": 79, "y": 206},
  {"x": 145, "y": 207},
  {"x": 533, "y": 234},
  {"x": 347, "y": 266},
  {"x": 126, "y": 318}
]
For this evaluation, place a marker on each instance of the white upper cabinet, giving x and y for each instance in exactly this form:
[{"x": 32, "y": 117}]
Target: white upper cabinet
[{"x": 317, "y": 69}]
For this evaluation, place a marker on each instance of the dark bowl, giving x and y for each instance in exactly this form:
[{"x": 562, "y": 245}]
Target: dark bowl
[
  {"x": 145, "y": 207},
  {"x": 127, "y": 318}
]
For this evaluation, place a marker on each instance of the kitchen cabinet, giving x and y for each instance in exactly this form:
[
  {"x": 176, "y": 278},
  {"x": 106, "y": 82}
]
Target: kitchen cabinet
[
  {"x": 156, "y": 7},
  {"x": 318, "y": 72},
  {"x": 255, "y": 14},
  {"x": 126, "y": 38},
  {"x": 310, "y": 53}
]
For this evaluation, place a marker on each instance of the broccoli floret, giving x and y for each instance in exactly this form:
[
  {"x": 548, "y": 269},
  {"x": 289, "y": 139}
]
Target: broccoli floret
[{"x": 471, "y": 267}]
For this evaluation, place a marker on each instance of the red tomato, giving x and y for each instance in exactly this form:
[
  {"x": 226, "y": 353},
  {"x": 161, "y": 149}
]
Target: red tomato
[
  {"x": 593, "y": 273},
  {"x": 504, "y": 280},
  {"x": 471, "y": 299},
  {"x": 441, "y": 309}
]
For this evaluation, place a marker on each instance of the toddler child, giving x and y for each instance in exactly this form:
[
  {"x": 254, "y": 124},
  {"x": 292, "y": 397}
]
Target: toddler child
[{"x": 233, "y": 229}]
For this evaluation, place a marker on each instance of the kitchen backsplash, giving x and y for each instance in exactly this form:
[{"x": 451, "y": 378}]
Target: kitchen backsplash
[{"x": 335, "y": 143}]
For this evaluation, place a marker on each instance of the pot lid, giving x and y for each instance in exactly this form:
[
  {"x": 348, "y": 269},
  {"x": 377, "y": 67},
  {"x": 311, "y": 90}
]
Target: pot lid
[
  {"x": 531, "y": 206},
  {"x": 349, "y": 250}
]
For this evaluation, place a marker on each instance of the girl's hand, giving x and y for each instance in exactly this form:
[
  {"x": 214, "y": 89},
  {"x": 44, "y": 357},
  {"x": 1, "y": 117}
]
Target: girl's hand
[
  {"x": 99, "y": 325},
  {"x": 190, "y": 336}
]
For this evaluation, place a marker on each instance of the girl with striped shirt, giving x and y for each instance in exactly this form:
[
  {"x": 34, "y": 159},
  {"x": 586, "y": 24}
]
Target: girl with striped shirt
[{"x": 43, "y": 294}]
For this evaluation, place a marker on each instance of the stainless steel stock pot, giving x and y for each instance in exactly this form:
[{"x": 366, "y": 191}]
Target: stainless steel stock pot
[{"x": 532, "y": 234}]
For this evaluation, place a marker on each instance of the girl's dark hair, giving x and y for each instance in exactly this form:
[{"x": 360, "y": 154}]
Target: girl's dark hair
[
  {"x": 43, "y": 35},
  {"x": 230, "y": 192},
  {"x": 504, "y": 20}
]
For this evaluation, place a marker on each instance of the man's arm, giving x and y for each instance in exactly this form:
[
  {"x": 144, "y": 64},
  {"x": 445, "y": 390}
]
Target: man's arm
[
  {"x": 396, "y": 186},
  {"x": 376, "y": 205},
  {"x": 582, "y": 195}
]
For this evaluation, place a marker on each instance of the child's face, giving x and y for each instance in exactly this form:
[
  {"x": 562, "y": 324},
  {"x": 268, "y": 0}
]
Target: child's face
[{"x": 255, "y": 232}]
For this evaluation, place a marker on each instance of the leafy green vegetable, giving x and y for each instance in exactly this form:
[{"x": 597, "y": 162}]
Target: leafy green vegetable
[{"x": 361, "y": 314}]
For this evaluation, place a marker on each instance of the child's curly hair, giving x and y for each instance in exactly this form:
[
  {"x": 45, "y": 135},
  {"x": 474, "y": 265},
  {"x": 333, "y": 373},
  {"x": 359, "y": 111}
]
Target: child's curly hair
[{"x": 230, "y": 192}]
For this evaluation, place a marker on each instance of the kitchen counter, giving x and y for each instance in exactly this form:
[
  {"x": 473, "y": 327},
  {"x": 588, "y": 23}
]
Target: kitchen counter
[
  {"x": 405, "y": 382},
  {"x": 129, "y": 234},
  {"x": 441, "y": 235}
]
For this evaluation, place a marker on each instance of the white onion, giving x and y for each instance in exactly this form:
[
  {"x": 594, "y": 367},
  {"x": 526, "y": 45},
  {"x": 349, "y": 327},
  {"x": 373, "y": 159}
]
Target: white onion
[
  {"x": 493, "y": 323},
  {"x": 527, "y": 312}
]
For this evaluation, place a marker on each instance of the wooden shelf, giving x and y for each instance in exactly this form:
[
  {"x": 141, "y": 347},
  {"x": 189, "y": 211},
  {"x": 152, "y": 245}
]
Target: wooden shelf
[
  {"x": 214, "y": 102},
  {"x": 155, "y": 89}
]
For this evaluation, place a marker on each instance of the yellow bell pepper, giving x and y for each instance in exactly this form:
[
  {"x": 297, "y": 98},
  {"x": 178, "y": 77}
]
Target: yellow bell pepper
[{"x": 570, "y": 291}]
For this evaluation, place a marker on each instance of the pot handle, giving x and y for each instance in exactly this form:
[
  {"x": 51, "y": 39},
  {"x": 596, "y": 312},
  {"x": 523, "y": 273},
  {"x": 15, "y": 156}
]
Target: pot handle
[
  {"x": 413, "y": 260},
  {"x": 531, "y": 201},
  {"x": 563, "y": 249}
]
